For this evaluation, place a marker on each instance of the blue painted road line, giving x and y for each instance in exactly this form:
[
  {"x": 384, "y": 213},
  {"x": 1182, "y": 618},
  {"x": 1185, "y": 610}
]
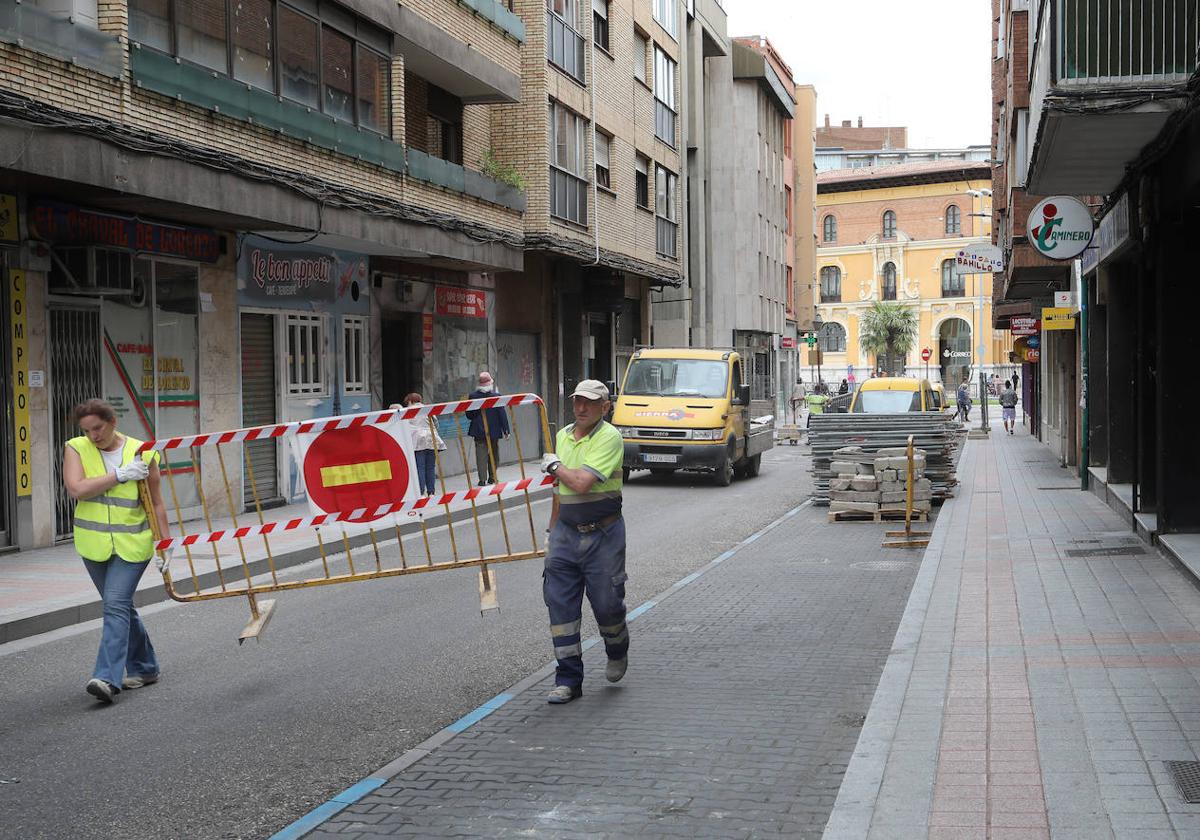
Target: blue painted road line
[
  {"x": 685, "y": 581},
  {"x": 356, "y": 792},
  {"x": 480, "y": 713},
  {"x": 323, "y": 812},
  {"x": 636, "y": 612}
]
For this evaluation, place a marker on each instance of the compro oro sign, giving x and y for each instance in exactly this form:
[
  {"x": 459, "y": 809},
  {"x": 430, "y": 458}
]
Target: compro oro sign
[{"x": 1061, "y": 227}]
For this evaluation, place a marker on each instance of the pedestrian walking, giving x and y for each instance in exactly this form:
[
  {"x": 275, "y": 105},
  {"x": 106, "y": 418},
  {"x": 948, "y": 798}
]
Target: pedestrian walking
[
  {"x": 797, "y": 400},
  {"x": 425, "y": 440},
  {"x": 101, "y": 471},
  {"x": 963, "y": 400},
  {"x": 585, "y": 551},
  {"x": 1008, "y": 406},
  {"x": 487, "y": 436},
  {"x": 1016, "y": 381}
]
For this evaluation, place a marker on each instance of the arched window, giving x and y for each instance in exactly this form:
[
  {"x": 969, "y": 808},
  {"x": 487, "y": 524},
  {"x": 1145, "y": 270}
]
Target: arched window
[
  {"x": 952, "y": 283},
  {"x": 830, "y": 229},
  {"x": 832, "y": 338},
  {"x": 889, "y": 225},
  {"x": 889, "y": 281},
  {"x": 953, "y": 219},
  {"x": 831, "y": 284}
]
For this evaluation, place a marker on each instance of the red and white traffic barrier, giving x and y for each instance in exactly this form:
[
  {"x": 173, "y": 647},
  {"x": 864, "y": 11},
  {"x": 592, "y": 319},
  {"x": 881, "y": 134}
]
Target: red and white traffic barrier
[
  {"x": 347, "y": 421},
  {"x": 361, "y": 515}
]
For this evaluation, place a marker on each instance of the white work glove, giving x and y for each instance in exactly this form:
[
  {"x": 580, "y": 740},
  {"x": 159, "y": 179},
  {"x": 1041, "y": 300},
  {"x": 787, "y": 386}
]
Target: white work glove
[
  {"x": 135, "y": 470},
  {"x": 548, "y": 462},
  {"x": 162, "y": 559}
]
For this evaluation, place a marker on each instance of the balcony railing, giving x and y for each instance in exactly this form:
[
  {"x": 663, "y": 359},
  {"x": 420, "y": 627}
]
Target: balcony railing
[
  {"x": 564, "y": 47},
  {"x": 1126, "y": 41},
  {"x": 664, "y": 123},
  {"x": 568, "y": 196},
  {"x": 666, "y": 236},
  {"x": 25, "y": 25}
]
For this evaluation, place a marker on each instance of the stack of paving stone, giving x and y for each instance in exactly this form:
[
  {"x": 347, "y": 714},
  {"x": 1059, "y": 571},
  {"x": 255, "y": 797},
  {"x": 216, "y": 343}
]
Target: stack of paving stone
[
  {"x": 891, "y": 469},
  {"x": 854, "y": 486},
  {"x": 939, "y": 436}
]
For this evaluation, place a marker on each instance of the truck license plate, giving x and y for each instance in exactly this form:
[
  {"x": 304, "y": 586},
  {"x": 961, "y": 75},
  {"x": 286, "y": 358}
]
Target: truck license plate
[{"x": 660, "y": 459}]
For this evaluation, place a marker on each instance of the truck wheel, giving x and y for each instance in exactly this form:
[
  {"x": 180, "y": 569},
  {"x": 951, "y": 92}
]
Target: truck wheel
[
  {"x": 753, "y": 466},
  {"x": 723, "y": 477}
]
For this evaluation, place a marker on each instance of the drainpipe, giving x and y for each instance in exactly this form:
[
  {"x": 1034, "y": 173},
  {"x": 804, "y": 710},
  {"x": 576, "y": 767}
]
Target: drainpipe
[
  {"x": 1087, "y": 398},
  {"x": 595, "y": 186}
]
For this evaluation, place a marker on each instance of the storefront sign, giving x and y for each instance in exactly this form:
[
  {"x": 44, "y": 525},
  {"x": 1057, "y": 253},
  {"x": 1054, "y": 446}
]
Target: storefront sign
[
  {"x": 956, "y": 354},
  {"x": 454, "y": 302},
  {"x": 427, "y": 334},
  {"x": 979, "y": 259},
  {"x": 1060, "y": 227},
  {"x": 1111, "y": 235},
  {"x": 8, "y": 219},
  {"x": 66, "y": 224},
  {"x": 20, "y": 384},
  {"x": 1058, "y": 318},
  {"x": 1024, "y": 326},
  {"x": 787, "y": 343},
  {"x": 1033, "y": 355}
]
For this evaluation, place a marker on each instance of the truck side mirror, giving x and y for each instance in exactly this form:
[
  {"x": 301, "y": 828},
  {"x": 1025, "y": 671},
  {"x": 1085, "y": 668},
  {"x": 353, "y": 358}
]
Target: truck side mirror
[
  {"x": 612, "y": 388},
  {"x": 741, "y": 395}
]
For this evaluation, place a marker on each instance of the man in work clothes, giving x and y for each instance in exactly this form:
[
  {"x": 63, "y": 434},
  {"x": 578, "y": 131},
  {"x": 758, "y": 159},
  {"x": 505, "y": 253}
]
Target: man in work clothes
[{"x": 586, "y": 548}]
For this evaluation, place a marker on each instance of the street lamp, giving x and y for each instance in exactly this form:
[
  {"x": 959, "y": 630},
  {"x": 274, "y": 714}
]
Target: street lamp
[
  {"x": 979, "y": 347},
  {"x": 818, "y": 322}
]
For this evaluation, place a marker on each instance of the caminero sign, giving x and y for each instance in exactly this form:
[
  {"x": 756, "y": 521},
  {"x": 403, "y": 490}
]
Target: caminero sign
[{"x": 1061, "y": 227}]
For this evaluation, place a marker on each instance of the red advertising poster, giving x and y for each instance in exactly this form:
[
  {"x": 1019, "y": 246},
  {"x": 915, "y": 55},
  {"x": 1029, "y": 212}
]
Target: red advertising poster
[
  {"x": 1024, "y": 326},
  {"x": 454, "y": 302},
  {"x": 427, "y": 333},
  {"x": 787, "y": 343}
]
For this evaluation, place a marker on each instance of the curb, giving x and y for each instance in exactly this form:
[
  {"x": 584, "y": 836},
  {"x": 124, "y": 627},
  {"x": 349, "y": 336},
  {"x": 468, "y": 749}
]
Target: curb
[
  {"x": 21, "y": 628},
  {"x": 384, "y": 774}
]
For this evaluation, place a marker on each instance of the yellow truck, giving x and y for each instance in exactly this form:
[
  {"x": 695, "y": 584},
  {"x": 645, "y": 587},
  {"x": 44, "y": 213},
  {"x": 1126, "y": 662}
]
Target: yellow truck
[{"x": 688, "y": 409}]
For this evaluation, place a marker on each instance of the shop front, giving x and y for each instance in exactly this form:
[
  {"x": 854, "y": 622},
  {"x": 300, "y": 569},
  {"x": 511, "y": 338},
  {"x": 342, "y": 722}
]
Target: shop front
[{"x": 15, "y": 442}]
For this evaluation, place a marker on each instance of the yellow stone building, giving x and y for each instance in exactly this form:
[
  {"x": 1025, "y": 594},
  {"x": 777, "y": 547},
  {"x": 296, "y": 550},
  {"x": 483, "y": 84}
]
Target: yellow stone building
[{"x": 891, "y": 233}]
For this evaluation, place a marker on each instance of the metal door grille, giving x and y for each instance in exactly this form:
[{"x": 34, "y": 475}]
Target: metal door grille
[
  {"x": 259, "y": 390},
  {"x": 74, "y": 377}
]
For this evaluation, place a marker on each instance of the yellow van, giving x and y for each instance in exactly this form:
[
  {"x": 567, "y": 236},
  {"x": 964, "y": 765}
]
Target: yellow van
[
  {"x": 893, "y": 395},
  {"x": 687, "y": 409}
]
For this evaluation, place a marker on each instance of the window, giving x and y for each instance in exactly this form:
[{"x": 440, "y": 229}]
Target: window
[
  {"x": 253, "y": 59},
  {"x": 830, "y": 229},
  {"x": 641, "y": 177},
  {"x": 564, "y": 45},
  {"x": 568, "y": 187},
  {"x": 665, "y": 210},
  {"x": 201, "y": 32},
  {"x": 831, "y": 284},
  {"x": 272, "y": 46},
  {"x": 832, "y": 338},
  {"x": 953, "y": 284},
  {"x": 889, "y": 225},
  {"x": 602, "y": 162},
  {"x": 787, "y": 208},
  {"x": 354, "y": 355},
  {"x": 953, "y": 219},
  {"x": 305, "y": 354},
  {"x": 444, "y": 122},
  {"x": 889, "y": 281},
  {"x": 641, "y": 45},
  {"x": 600, "y": 23},
  {"x": 667, "y": 14},
  {"x": 664, "y": 97}
]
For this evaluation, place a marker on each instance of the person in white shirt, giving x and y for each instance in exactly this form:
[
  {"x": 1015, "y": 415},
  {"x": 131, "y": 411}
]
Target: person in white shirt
[{"x": 425, "y": 439}]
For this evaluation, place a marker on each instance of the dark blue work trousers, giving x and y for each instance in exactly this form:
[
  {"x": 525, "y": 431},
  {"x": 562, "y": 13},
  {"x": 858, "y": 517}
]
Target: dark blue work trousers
[{"x": 593, "y": 563}]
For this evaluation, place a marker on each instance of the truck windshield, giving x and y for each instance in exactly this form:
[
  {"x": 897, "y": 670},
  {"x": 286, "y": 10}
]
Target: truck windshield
[
  {"x": 677, "y": 378},
  {"x": 887, "y": 402}
]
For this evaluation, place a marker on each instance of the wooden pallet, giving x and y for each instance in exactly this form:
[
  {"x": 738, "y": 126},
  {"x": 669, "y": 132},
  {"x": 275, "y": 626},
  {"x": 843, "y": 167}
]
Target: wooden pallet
[{"x": 887, "y": 515}]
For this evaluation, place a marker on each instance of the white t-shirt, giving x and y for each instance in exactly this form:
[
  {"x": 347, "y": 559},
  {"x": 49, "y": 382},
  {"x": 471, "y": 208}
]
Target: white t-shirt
[{"x": 112, "y": 460}]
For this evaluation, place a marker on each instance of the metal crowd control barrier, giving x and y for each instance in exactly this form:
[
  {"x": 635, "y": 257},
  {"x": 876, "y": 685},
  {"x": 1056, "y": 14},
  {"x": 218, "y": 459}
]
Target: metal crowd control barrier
[{"x": 363, "y": 471}]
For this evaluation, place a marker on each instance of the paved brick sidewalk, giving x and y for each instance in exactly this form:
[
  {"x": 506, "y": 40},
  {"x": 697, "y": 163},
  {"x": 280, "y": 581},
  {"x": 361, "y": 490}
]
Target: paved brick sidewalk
[
  {"x": 746, "y": 689},
  {"x": 1045, "y": 669}
]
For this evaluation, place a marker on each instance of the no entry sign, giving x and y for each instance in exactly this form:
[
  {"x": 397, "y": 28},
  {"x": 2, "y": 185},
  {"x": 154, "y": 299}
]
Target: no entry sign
[
  {"x": 926, "y": 354},
  {"x": 359, "y": 467}
]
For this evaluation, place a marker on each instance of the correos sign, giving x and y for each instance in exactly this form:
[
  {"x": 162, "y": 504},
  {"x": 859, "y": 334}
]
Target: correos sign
[{"x": 1061, "y": 227}]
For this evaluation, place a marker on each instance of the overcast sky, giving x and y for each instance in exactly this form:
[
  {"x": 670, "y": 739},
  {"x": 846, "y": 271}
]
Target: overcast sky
[{"x": 924, "y": 64}]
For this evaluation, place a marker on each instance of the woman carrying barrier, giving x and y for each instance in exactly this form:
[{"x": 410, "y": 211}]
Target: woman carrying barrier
[{"x": 101, "y": 471}]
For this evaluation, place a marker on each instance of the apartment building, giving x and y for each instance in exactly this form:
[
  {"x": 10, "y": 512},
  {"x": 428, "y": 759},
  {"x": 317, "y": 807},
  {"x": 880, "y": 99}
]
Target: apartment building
[
  {"x": 596, "y": 138},
  {"x": 892, "y": 234},
  {"x": 1105, "y": 107},
  {"x": 219, "y": 214}
]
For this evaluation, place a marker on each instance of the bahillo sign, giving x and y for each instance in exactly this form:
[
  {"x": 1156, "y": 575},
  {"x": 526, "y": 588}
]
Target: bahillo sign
[{"x": 1061, "y": 227}]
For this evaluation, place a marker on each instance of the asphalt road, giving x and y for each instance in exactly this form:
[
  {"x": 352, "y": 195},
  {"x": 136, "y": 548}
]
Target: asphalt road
[{"x": 238, "y": 742}]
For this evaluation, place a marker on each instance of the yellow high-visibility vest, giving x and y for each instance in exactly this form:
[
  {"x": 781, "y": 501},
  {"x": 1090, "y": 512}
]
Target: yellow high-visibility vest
[{"x": 115, "y": 521}]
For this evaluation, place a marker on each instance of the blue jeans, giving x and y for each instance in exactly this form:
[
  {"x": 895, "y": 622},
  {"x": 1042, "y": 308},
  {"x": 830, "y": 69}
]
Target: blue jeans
[
  {"x": 124, "y": 643},
  {"x": 426, "y": 470},
  {"x": 593, "y": 563}
]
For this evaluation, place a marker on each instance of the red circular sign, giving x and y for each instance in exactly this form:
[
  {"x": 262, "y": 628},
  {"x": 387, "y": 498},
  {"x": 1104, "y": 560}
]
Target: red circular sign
[
  {"x": 347, "y": 469},
  {"x": 926, "y": 354}
]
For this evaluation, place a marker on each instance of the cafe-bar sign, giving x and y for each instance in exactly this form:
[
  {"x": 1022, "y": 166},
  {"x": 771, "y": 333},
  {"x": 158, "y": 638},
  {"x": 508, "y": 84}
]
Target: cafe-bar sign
[{"x": 66, "y": 224}]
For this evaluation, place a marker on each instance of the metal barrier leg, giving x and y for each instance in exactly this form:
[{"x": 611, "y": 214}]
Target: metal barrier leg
[{"x": 487, "y": 581}]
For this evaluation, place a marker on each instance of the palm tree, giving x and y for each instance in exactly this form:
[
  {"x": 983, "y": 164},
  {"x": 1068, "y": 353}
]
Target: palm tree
[{"x": 888, "y": 331}]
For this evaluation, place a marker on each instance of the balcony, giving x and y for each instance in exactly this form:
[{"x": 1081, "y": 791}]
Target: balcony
[
  {"x": 1105, "y": 78},
  {"x": 25, "y": 25},
  {"x": 564, "y": 47}
]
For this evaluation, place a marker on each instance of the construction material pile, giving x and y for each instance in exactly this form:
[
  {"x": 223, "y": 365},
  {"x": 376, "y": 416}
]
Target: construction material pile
[
  {"x": 869, "y": 483},
  {"x": 939, "y": 436}
]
